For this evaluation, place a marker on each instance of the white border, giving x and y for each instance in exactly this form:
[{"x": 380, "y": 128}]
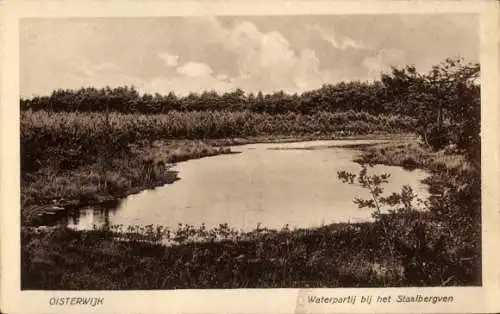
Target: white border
[{"x": 480, "y": 299}]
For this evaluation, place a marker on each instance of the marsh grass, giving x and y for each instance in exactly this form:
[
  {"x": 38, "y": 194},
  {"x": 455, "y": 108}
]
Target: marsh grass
[
  {"x": 59, "y": 258},
  {"x": 144, "y": 166},
  {"x": 76, "y": 138},
  {"x": 412, "y": 155}
]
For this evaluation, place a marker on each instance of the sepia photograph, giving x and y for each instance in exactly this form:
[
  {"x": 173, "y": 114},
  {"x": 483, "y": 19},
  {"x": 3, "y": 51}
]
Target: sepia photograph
[{"x": 251, "y": 151}]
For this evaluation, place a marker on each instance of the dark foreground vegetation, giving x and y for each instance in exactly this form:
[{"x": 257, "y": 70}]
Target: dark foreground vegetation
[{"x": 84, "y": 157}]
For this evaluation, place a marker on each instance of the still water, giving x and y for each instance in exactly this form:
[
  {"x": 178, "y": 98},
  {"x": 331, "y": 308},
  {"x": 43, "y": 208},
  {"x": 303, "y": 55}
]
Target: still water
[{"x": 271, "y": 184}]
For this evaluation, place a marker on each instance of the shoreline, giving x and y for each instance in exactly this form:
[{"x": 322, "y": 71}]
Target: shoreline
[{"x": 307, "y": 138}]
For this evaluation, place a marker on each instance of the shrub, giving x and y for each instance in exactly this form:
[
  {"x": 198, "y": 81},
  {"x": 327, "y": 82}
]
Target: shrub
[{"x": 433, "y": 249}]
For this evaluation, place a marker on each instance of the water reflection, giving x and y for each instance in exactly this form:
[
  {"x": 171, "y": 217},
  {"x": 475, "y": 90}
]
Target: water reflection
[{"x": 89, "y": 217}]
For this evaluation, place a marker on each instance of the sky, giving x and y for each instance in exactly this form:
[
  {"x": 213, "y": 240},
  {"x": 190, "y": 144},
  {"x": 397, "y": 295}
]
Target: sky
[{"x": 222, "y": 53}]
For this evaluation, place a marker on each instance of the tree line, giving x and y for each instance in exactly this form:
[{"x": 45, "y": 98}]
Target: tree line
[{"x": 343, "y": 96}]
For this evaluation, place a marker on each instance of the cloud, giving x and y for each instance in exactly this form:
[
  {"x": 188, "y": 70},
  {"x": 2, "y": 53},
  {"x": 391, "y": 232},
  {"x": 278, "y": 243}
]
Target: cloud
[
  {"x": 265, "y": 60},
  {"x": 169, "y": 59},
  {"x": 183, "y": 85},
  {"x": 191, "y": 77},
  {"x": 195, "y": 69},
  {"x": 382, "y": 61},
  {"x": 222, "y": 77},
  {"x": 343, "y": 44},
  {"x": 104, "y": 74},
  {"x": 308, "y": 75}
]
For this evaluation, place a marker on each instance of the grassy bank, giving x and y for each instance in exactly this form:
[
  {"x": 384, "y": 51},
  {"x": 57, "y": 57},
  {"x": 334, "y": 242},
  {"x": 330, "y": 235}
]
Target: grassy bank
[
  {"x": 413, "y": 155},
  {"x": 65, "y": 259},
  {"x": 104, "y": 179}
]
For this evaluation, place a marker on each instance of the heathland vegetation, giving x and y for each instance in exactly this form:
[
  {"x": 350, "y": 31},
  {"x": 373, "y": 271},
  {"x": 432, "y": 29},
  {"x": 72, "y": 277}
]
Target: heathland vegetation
[{"x": 91, "y": 145}]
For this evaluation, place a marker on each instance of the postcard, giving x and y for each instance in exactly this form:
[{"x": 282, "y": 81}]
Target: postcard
[{"x": 249, "y": 156}]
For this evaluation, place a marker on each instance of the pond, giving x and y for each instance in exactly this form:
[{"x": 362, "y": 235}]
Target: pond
[{"x": 268, "y": 184}]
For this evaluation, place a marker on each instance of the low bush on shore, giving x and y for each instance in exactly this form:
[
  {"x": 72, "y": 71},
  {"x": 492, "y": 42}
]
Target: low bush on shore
[
  {"x": 454, "y": 206},
  {"x": 413, "y": 155}
]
